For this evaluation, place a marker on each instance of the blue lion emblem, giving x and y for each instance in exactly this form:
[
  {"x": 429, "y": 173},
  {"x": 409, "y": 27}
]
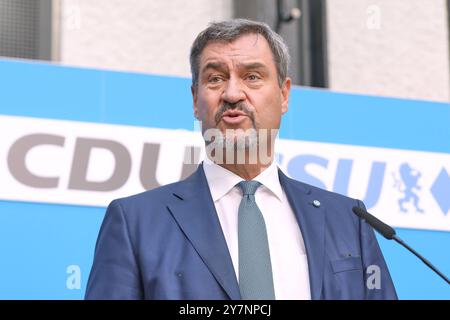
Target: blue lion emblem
[{"x": 409, "y": 179}]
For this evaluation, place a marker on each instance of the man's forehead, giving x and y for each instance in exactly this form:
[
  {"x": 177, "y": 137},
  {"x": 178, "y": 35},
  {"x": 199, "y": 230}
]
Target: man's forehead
[
  {"x": 250, "y": 41},
  {"x": 248, "y": 47}
]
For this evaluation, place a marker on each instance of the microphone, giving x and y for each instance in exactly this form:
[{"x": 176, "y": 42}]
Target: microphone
[{"x": 389, "y": 233}]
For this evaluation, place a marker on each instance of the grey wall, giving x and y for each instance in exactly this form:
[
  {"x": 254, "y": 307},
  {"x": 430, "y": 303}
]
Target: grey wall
[
  {"x": 383, "y": 47},
  {"x": 389, "y": 47},
  {"x": 149, "y": 36}
]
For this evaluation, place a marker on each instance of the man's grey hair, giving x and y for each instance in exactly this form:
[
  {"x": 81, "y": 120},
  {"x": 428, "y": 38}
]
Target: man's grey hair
[{"x": 228, "y": 31}]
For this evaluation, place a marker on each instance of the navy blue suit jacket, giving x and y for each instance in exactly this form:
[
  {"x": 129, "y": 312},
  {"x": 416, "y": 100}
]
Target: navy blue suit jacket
[{"x": 167, "y": 243}]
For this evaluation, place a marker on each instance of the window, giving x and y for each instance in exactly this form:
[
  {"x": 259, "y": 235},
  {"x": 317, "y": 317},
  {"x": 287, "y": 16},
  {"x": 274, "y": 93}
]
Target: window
[{"x": 26, "y": 29}]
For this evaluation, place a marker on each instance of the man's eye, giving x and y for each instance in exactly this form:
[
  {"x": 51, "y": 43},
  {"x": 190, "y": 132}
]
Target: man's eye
[
  {"x": 214, "y": 79},
  {"x": 253, "y": 77}
]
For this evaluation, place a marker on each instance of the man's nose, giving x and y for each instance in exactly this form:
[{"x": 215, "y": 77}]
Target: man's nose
[{"x": 234, "y": 91}]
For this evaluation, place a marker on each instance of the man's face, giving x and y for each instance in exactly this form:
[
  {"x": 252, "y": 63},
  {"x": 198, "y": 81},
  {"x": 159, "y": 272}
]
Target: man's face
[{"x": 238, "y": 86}]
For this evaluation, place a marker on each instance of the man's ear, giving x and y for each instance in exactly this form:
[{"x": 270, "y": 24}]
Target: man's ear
[
  {"x": 285, "y": 91},
  {"x": 194, "y": 100}
]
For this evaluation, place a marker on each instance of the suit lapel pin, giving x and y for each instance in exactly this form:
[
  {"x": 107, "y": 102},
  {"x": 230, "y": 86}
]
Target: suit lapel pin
[{"x": 316, "y": 203}]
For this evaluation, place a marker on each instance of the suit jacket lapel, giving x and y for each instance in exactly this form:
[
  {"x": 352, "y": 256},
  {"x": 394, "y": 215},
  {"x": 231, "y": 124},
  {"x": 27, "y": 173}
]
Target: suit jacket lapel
[
  {"x": 311, "y": 220},
  {"x": 194, "y": 211}
]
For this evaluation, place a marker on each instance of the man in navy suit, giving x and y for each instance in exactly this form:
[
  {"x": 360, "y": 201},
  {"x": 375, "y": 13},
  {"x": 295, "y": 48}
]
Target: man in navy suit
[{"x": 238, "y": 228}]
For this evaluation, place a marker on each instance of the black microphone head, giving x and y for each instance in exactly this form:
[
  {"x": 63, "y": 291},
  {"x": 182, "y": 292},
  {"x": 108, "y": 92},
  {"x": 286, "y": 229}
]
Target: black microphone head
[
  {"x": 385, "y": 230},
  {"x": 360, "y": 212}
]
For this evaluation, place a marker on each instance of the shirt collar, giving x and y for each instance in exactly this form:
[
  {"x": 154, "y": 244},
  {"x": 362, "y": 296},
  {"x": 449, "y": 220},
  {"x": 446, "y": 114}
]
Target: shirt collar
[{"x": 221, "y": 180}]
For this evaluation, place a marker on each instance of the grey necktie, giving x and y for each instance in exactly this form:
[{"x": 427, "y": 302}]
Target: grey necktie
[{"x": 255, "y": 269}]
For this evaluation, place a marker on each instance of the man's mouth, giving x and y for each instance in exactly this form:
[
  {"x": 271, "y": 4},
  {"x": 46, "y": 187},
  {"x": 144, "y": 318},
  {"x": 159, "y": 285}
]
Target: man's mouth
[{"x": 233, "y": 116}]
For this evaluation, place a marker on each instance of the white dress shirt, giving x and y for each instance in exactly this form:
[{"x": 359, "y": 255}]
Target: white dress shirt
[{"x": 287, "y": 249}]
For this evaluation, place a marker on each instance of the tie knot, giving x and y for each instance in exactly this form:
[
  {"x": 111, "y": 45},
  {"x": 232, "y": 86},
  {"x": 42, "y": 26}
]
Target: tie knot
[{"x": 249, "y": 187}]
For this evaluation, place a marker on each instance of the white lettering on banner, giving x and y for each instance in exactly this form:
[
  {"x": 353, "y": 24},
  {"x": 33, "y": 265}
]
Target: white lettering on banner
[{"x": 81, "y": 163}]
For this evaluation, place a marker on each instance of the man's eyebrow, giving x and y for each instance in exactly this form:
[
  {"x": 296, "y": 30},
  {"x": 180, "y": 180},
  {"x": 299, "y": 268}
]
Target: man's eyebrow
[
  {"x": 253, "y": 66},
  {"x": 215, "y": 66}
]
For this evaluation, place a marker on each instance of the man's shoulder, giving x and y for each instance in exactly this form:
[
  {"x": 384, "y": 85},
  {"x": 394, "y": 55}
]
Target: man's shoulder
[
  {"x": 320, "y": 192},
  {"x": 154, "y": 202},
  {"x": 334, "y": 196},
  {"x": 337, "y": 206},
  {"x": 151, "y": 197}
]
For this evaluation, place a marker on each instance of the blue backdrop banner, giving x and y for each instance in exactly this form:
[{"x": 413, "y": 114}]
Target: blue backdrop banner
[{"x": 393, "y": 154}]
